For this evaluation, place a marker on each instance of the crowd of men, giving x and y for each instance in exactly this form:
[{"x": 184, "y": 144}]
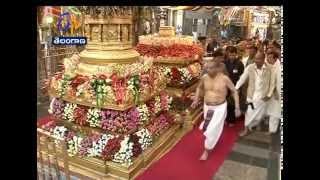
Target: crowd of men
[{"x": 240, "y": 80}]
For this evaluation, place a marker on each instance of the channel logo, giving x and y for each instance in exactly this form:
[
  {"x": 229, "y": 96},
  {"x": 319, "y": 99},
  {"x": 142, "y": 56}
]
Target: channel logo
[{"x": 67, "y": 40}]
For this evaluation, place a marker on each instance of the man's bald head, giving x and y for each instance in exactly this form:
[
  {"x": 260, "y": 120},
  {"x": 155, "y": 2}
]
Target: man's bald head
[
  {"x": 259, "y": 58},
  {"x": 214, "y": 67}
]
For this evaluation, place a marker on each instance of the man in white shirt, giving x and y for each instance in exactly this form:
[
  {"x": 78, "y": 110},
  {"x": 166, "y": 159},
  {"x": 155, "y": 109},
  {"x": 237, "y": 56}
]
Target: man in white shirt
[
  {"x": 274, "y": 104},
  {"x": 260, "y": 87},
  {"x": 251, "y": 51}
]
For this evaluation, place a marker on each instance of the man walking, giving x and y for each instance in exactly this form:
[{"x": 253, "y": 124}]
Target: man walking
[
  {"x": 234, "y": 68},
  {"x": 274, "y": 104},
  {"x": 215, "y": 86},
  {"x": 260, "y": 89}
]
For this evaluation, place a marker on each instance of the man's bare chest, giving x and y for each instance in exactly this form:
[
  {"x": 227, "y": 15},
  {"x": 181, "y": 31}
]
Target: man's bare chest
[{"x": 217, "y": 84}]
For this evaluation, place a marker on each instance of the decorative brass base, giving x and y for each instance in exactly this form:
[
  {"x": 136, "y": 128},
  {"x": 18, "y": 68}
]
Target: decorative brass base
[
  {"x": 192, "y": 117},
  {"x": 99, "y": 57}
]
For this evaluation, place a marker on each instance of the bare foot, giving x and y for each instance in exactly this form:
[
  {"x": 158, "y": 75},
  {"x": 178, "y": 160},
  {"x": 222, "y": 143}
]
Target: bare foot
[
  {"x": 244, "y": 133},
  {"x": 231, "y": 124},
  {"x": 204, "y": 156}
]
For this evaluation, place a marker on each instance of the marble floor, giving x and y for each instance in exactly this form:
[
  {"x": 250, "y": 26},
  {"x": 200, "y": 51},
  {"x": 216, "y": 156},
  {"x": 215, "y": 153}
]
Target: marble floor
[{"x": 254, "y": 157}]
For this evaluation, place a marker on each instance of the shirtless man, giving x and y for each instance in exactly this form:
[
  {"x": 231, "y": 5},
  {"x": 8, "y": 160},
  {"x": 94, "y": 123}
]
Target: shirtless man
[{"x": 215, "y": 86}]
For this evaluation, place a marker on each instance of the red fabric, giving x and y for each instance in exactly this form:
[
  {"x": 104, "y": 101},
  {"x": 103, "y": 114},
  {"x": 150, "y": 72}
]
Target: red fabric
[{"x": 182, "y": 162}]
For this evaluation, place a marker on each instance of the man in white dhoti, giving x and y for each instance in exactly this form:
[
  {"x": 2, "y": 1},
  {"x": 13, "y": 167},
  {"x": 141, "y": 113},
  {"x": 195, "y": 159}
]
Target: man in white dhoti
[
  {"x": 260, "y": 87},
  {"x": 274, "y": 104},
  {"x": 214, "y": 85}
]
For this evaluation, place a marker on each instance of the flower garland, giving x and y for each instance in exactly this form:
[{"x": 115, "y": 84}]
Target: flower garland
[
  {"x": 123, "y": 156},
  {"x": 73, "y": 143},
  {"x": 118, "y": 149},
  {"x": 145, "y": 138},
  {"x": 185, "y": 75},
  {"x": 113, "y": 146},
  {"x": 175, "y": 75},
  {"x": 80, "y": 115},
  {"x": 136, "y": 148},
  {"x": 85, "y": 145},
  {"x": 119, "y": 122},
  {"x": 134, "y": 87},
  {"x": 174, "y": 50},
  {"x": 63, "y": 85},
  {"x": 100, "y": 87},
  {"x": 68, "y": 112},
  {"x": 94, "y": 117},
  {"x": 143, "y": 113},
  {"x": 99, "y": 145},
  {"x": 133, "y": 118},
  {"x": 157, "y": 105},
  {"x": 166, "y": 101},
  {"x": 57, "y": 108},
  {"x": 59, "y": 132},
  {"x": 160, "y": 123},
  {"x": 119, "y": 88},
  {"x": 81, "y": 88},
  {"x": 167, "y": 71}
]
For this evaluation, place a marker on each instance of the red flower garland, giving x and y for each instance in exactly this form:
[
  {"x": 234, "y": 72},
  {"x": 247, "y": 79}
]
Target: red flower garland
[
  {"x": 119, "y": 88},
  {"x": 137, "y": 150},
  {"x": 111, "y": 148},
  {"x": 175, "y": 74},
  {"x": 174, "y": 50},
  {"x": 78, "y": 80},
  {"x": 80, "y": 115}
]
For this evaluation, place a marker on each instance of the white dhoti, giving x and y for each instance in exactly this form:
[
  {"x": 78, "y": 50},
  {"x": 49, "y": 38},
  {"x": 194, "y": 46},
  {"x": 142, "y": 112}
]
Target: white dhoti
[
  {"x": 215, "y": 126},
  {"x": 274, "y": 113},
  {"x": 255, "y": 113}
]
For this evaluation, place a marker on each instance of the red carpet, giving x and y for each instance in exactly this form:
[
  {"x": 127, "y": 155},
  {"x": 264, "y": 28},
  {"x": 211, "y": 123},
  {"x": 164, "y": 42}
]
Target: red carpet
[{"x": 182, "y": 162}]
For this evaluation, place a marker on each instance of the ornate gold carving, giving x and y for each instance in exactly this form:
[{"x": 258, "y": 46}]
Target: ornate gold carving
[
  {"x": 110, "y": 33},
  {"x": 87, "y": 31},
  {"x": 96, "y": 33},
  {"x": 125, "y": 33}
]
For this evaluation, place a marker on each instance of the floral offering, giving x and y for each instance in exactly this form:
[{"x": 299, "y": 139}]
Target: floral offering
[
  {"x": 143, "y": 113},
  {"x": 59, "y": 132},
  {"x": 74, "y": 144},
  {"x": 80, "y": 115},
  {"x": 63, "y": 85},
  {"x": 136, "y": 149},
  {"x": 68, "y": 112},
  {"x": 112, "y": 147},
  {"x": 124, "y": 155},
  {"x": 94, "y": 117},
  {"x": 98, "y": 146},
  {"x": 57, "y": 108},
  {"x": 145, "y": 138},
  {"x": 175, "y": 50},
  {"x": 160, "y": 123}
]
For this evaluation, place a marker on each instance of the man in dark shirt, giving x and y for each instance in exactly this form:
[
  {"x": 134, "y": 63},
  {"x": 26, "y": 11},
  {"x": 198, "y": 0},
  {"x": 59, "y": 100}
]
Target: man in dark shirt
[
  {"x": 234, "y": 68},
  {"x": 212, "y": 46}
]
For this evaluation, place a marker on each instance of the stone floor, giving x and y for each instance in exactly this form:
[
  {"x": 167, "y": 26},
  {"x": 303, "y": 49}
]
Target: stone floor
[{"x": 253, "y": 157}]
